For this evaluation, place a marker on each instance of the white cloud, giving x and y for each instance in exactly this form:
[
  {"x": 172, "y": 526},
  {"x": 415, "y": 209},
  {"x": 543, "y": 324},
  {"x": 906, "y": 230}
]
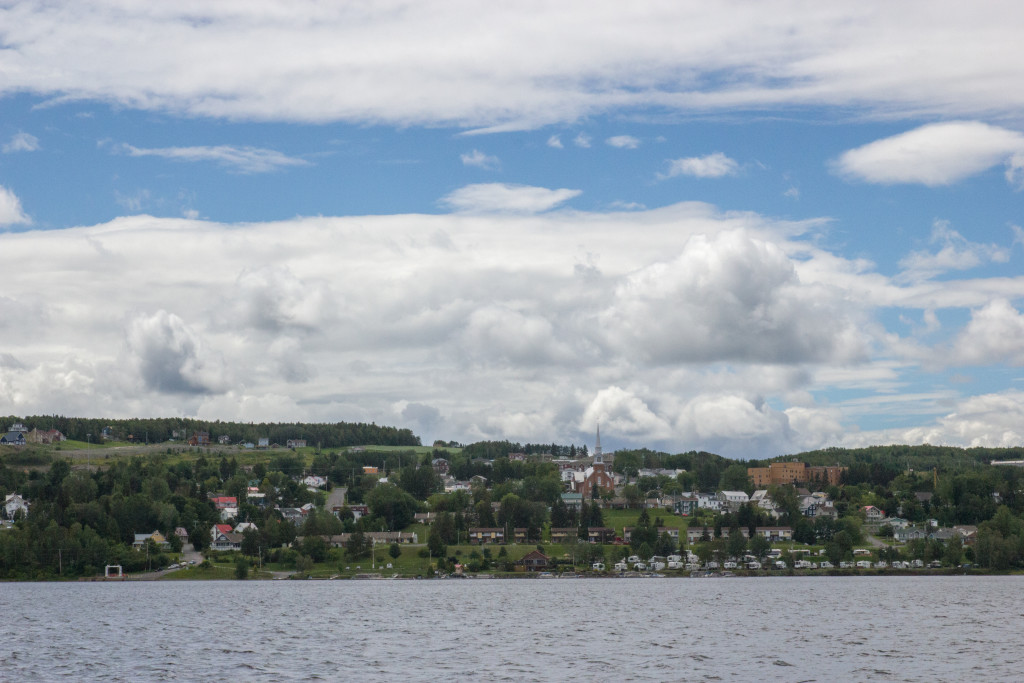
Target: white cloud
[
  {"x": 715, "y": 165},
  {"x": 324, "y": 62},
  {"x": 21, "y": 142},
  {"x": 582, "y": 140},
  {"x": 623, "y": 142},
  {"x": 935, "y": 154},
  {"x": 955, "y": 253},
  {"x": 240, "y": 159},
  {"x": 621, "y": 412},
  {"x": 679, "y": 327},
  {"x": 11, "y": 212},
  {"x": 171, "y": 358},
  {"x": 995, "y": 334},
  {"x": 480, "y": 160},
  {"x": 555, "y": 141},
  {"x": 502, "y": 197},
  {"x": 730, "y": 298}
]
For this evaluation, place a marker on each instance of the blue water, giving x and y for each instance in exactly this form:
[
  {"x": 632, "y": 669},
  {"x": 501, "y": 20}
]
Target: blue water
[{"x": 738, "y": 629}]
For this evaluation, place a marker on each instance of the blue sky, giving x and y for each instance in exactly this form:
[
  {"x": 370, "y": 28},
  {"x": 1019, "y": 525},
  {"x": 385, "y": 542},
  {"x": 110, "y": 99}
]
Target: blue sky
[{"x": 753, "y": 229}]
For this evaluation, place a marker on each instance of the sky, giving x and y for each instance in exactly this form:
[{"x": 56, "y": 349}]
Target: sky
[{"x": 749, "y": 228}]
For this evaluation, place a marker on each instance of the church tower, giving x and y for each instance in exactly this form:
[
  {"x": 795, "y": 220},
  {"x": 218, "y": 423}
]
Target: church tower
[{"x": 598, "y": 455}]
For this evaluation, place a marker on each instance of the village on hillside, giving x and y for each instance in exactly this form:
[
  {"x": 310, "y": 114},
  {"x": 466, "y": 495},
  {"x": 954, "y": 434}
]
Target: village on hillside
[{"x": 205, "y": 507}]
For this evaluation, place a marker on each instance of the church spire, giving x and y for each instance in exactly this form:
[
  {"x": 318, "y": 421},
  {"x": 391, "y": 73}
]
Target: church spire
[{"x": 598, "y": 456}]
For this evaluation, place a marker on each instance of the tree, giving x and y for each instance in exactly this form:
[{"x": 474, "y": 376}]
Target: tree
[
  {"x": 358, "y": 545},
  {"x": 759, "y": 546},
  {"x": 436, "y": 545},
  {"x": 396, "y": 507},
  {"x": 394, "y": 551},
  {"x": 734, "y": 478},
  {"x": 737, "y": 544},
  {"x": 241, "y": 568}
]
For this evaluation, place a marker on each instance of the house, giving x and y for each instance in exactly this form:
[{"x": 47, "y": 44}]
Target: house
[
  {"x": 685, "y": 506},
  {"x": 563, "y": 534},
  {"x": 359, "y": 511},
  {"x": 909, "y": 534},
  {"x": 13, "y": 438},
  {"x": 293, "y": 515},
  {"x": 44, "y": 437},
  {"x": 199, "y": 439},
  {"x": 219, "y": 529},
  {"x": 182, "y": 534},
  {"x": 602, "y": 534},
  {"x": 242, "y": 527},
  {"x": 229, "y": 540},
  {"x": 486, "y": 535},
  {"x": 519, "y": 535},
  {"x": 440, "y": 466},
  {"x": 156, "y": 537},
  {"x": 451, "y": 486},
  {"x": 374, "y": 537},
  {"x": 533, "y": 561},
  {"x": 222, "y": 502},
  {"x": 14, "y": 504},
  {"x": 478, "y": 480},
  {"x": 263, "y": 443},
  {"x": 224, "y": 439},
  {"x": 573, "y": 501},
  {"x": 873, "y": 514},
  {"x": 295, "y": 443},
  {"x": 775, "y": 533},
  {"x": 424, "y": 518},
  {"x": 695, "y": 534},
  {"x": 314, "y": 481},
  {"x": 732, "y": 499}
]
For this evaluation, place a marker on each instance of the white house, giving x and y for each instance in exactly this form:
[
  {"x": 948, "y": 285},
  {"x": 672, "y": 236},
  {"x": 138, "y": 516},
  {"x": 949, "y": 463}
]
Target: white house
[
  {"x": 13, "y": 503},
  {"x": 732, "y": 499}
]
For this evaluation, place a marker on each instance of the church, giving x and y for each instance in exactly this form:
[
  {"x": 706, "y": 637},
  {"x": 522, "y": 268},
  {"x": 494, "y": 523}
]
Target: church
[{"x": 598, "y": 475}]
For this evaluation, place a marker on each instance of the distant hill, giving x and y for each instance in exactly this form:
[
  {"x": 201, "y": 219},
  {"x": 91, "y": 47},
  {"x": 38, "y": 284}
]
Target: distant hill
[{"x": 156, "y": 430}]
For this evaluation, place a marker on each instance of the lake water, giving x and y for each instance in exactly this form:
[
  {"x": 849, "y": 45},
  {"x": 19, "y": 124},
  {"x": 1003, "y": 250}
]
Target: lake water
[{"x": 730, "y": 629}]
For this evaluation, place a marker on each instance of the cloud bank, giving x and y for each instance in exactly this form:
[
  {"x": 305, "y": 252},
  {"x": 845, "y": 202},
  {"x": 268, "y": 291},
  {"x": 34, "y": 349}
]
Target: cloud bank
[{"x": 681, "y": 327}]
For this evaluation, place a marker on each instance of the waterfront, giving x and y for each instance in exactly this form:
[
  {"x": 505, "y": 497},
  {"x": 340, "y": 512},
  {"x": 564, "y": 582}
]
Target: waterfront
[{"x": 791, "y": 629}]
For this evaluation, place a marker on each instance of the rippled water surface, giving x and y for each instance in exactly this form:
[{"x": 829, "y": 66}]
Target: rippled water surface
[{"x": 787, "y": 629}]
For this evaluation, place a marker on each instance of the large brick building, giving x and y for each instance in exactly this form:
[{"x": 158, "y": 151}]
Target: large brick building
[{"x": 792, "y": 472}]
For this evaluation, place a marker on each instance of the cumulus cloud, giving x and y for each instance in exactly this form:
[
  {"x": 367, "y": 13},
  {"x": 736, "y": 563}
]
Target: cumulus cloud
[
  {"x": 171, "y": 358},
  {"x": 281, "y": 61},
  {"x": 509, "y": 336},
  {"x": 954, "y": 253},
  {"x": 239, "y": 159},
  {"x": 481, "y": 160},
  {"x": 679, "y": 327},
  {"x": 21, "y": 142},
  {"x": 715, "y": 165},
  {"x": 273, "y": 298},
  {"x": 555, "y": 141},
  {"x": 622, "y": 412},
  {"x": 995, "y": 334},
  {"x": 936, "y": 154},
  {"x": 623, "y": 142},
  {"x": 506, "y": 198},
  {"x": 730, "y": 298},
  {"x": 11, "y": 212},
  {"x": 582, "y": 140}
]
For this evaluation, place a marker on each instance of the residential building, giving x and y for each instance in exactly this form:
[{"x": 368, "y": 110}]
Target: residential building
[
  {"x": 486, "y": 535},
  {"x": 534, "y": 561},
  {"x": 13, "y": 504},
  {"x": 732, "y": 499},
  {"x": 295, "y": 443}
]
